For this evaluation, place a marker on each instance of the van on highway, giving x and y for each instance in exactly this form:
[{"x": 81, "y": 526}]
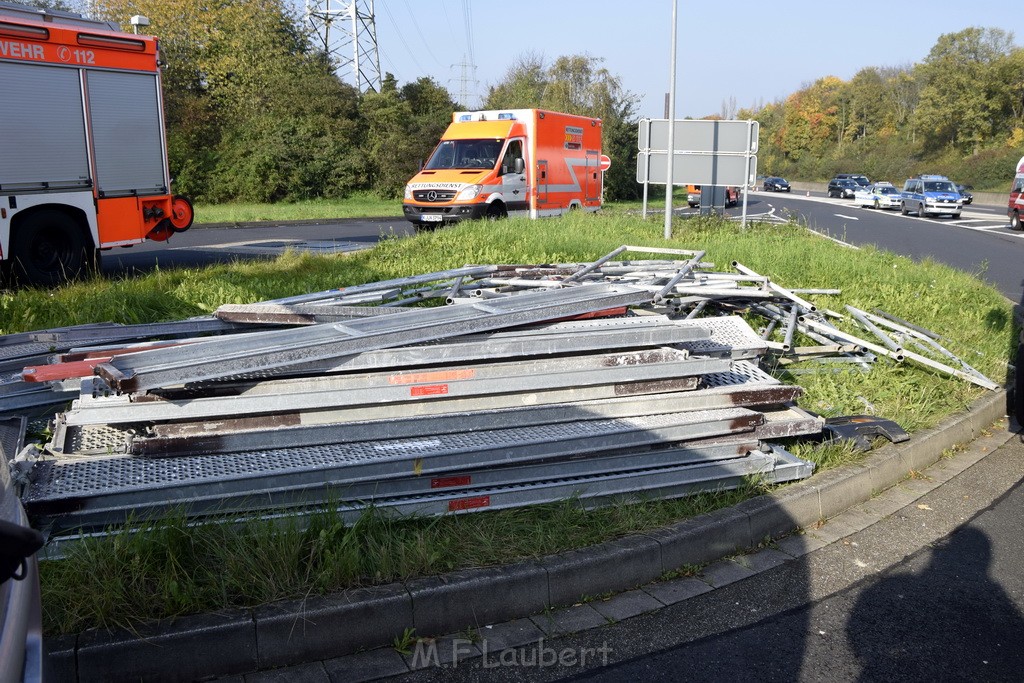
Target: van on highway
[
  {"x": 1016, "y": 204},
  {"x": 931, "y": 194}
]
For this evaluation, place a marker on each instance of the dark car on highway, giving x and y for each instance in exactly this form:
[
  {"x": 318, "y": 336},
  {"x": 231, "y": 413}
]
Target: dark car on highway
[
  {"x": 776, "y": 184},
  {"x": 965, "y": 193},
  {"x": 861, "y": 180},
  {"x": 842, "y": 187}
]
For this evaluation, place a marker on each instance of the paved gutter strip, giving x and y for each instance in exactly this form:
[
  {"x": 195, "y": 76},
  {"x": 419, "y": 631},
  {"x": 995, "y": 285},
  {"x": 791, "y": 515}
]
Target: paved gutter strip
[
  {"x": 303, "y": 221},
  {"x": 324, "y": 628}
]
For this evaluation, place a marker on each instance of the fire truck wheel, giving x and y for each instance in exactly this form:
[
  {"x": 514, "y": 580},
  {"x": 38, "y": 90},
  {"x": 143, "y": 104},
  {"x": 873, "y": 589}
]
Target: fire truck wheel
[
  {"x": 1015, "y": 221},
  {"x": 49, "y": 248}
]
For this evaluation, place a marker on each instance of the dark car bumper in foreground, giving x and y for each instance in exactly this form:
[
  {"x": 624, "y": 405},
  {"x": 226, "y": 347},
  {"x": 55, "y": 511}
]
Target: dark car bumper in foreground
[{"x": 21, "y": 633}]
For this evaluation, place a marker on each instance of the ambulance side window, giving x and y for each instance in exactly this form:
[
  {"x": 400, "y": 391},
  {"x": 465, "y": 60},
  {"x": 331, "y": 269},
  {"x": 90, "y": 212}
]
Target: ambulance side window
[
  {"x": 1018, "y": 184},
  {"x": 512, "y": 152}
]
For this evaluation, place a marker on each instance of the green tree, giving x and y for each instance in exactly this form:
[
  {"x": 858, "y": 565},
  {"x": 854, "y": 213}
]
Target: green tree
[
  {"x": 402, "y": 127},
  {"x": 959, "y": 98},
  {"x": 522, "y": 86},
  {"x": 253, "y": 112}
]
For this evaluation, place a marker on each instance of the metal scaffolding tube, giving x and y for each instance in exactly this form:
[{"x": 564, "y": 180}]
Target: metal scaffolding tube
[
  {"x": 787, "y": 341},
  {"x": 685, "y": 270},
  {"x": 803, "y": 303},
  {"x": 890, "y": 319},
  {"x": 929, "y": 339},
  {"x": 591, "y": 267},
  {"x": 896, "y": 349}
]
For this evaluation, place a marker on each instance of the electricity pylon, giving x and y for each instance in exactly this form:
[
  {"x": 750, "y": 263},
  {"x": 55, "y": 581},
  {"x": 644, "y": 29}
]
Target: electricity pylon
[{"x": 348, "y": 34}]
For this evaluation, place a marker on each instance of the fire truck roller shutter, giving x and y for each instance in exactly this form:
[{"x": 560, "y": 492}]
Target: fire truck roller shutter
[
  {"x": 43, "y": 127},
  {"x": 127, "y": 137}
]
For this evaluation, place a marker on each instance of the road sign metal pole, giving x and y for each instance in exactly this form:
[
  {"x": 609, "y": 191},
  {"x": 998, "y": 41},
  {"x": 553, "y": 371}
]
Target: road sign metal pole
[
  {"x": 671, "y": 127},
  {"x": 747, "y": 185},
  {"x": 647, "y": 165}
]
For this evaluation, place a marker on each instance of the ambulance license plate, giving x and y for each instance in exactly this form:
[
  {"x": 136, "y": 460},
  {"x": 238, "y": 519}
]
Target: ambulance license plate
[{"x": 431, "y": 218}]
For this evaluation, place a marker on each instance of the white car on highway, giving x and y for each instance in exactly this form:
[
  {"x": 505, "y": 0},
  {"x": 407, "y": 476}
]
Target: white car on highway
[{"x": 878, "y": 196}]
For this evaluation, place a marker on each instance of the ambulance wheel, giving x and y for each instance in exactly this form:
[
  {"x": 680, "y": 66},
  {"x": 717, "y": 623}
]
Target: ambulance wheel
[
  {"x": 495, "y": 211},
  {"x": 1015, "y": 221},
  {"x": 49, "y": 248}
]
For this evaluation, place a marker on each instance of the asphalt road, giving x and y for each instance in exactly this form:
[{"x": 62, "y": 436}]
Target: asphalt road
[
  {"x": 979, "y": 242},
  {"x": 951, "y": 611},
  {"x": 201, "y": 246}
]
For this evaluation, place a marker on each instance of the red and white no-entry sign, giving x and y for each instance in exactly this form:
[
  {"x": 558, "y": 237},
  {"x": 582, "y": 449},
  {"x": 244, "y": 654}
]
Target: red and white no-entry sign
[{"x": 606, "y": 162}]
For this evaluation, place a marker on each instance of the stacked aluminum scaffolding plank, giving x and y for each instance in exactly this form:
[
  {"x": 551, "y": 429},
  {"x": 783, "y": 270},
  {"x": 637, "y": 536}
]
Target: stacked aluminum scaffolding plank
[{"x": 514, "y": 393}]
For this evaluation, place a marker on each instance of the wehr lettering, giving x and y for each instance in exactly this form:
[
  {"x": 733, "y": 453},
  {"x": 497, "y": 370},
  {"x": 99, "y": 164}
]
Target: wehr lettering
[{"x": 20, "y": 50}]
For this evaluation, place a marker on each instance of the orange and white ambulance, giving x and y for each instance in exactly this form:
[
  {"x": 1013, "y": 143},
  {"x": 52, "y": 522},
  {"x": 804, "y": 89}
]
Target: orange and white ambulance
[
  {"x": 1016, "y": 205},
  {"x": 492, "y": 164},
  {"x": 83, "y": 164}
]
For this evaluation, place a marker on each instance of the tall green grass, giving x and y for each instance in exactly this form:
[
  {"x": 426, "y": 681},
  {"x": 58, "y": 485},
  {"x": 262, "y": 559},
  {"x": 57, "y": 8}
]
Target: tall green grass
[
  {"x": 356, "y": 206},
  {"x": 180, "y": 569}
]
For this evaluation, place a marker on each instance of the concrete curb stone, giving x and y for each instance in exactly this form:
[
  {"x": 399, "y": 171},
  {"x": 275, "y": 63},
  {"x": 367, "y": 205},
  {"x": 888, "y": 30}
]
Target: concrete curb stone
[
  {"x": 300, "y": 631},
  {"x": 186, "y": 648},
  {"x": 466, "y": 598},
  {"x": 702, "y": 539},
  {"x": 241, "y": 641},
  {"x": 613, "y": 566}
]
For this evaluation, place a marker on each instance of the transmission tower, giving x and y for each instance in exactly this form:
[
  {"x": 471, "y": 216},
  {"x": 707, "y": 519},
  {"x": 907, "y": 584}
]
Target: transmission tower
[
  {"x": 348, "y": 34},
  {"x": 467, "y": 82}
]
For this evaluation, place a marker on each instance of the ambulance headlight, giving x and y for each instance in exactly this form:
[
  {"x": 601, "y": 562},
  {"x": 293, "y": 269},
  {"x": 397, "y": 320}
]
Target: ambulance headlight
[
  {"x": 470, "y": 192},
  {"x": 408, "y": 192}
]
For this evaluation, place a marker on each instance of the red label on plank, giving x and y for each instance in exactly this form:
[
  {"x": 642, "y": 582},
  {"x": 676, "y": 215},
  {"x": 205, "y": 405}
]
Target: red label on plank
[
  {"x": 437, "y": 376},
  {"x": 469, "y": 503},
  {"x": 445, "y": 482},
  {"x": 429, "y": 390}
]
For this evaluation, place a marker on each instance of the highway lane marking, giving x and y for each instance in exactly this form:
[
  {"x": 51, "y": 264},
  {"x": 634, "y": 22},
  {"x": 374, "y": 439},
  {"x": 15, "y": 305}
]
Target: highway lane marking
[{"x": 852, "y": 218}]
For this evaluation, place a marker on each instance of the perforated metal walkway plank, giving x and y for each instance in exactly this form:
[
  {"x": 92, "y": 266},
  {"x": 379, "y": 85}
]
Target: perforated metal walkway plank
[
  {"x": 254, "y": 351},
  {"x": 744, "y": 385},
  {"x": 775, "y": 466},
  {"x": 69, "y": 485},
  {"x": 275, "y": 396}
]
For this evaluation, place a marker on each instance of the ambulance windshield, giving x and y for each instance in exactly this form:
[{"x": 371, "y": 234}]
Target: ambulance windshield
[{"x": 482, "y": 154}]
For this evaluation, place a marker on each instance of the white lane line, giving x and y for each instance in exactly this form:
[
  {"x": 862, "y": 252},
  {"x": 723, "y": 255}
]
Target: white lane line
[{"x": 849, "y": 218}]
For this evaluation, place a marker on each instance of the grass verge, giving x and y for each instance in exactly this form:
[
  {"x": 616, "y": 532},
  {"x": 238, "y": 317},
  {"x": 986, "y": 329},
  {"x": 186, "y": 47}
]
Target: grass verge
[{"x": 180, "y": 569}]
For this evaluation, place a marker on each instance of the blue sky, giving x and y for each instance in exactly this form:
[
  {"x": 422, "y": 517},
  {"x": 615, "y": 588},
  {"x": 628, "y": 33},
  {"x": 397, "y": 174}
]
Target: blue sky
[{"x": 751, "y": 51}]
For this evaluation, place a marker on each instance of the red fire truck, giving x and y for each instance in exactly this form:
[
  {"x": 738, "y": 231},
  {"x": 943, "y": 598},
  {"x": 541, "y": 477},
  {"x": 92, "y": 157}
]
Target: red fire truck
[{"x": 83, "y": 159}]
